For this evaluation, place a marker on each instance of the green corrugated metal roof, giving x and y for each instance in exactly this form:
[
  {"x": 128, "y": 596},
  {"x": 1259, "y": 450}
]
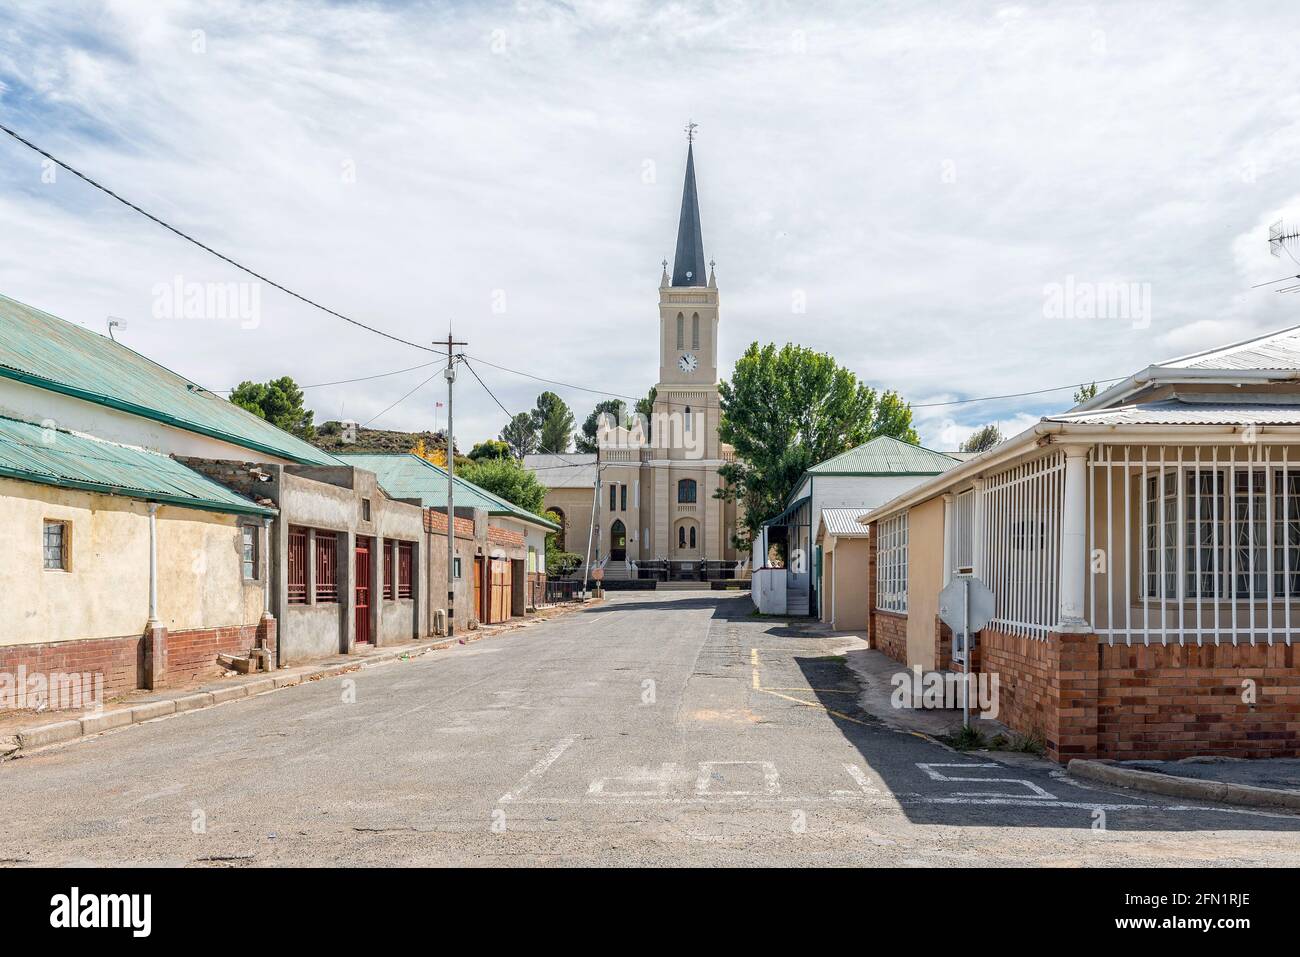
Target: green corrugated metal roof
[
  {"x": 33, "y": 453},
  {"x": 51, "y": 353},
  {"x": 404, "y": 475},
  {"x": 886, "y": 456}
]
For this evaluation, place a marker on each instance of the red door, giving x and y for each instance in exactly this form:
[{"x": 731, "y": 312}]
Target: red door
[{"x": 363, "y": 591}]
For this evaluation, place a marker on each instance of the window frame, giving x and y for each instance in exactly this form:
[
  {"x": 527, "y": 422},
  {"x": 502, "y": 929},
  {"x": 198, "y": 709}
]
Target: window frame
[
  {"x": 65, "y": 544},
  {"x": 686, "y": 483},
  {"x": 250, "y": 566}
]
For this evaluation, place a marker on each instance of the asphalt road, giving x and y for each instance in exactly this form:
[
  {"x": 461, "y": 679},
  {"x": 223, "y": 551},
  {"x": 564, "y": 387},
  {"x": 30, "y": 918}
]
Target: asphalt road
[{"x": 656, "y": 728}]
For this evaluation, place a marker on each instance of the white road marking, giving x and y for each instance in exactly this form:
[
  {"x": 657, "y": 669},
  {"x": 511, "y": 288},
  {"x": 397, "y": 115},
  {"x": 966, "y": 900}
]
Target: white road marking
[
  {"x": 939, "y": 776},
  {"x": 771, "y": 779},
  {"x": 860, "y": 779},
  {"x": 537, "y": 770},
  {"x": 662, "y": 780}
]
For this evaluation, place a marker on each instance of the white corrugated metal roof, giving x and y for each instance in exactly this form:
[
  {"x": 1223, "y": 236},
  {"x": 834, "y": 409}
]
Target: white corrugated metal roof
[
  {"x": 572, "y": 470},
  {"x": 1277, "y": 350},
  {"x": 843, "y": 522},
  {"x": 1177, "y": 412}
]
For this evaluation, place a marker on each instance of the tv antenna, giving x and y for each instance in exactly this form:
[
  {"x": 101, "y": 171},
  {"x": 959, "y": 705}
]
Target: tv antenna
[
  {"x": 1278, "y": 237},
  {"x": 115, "y": 323}
]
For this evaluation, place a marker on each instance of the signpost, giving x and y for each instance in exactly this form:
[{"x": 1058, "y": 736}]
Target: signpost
[{"x": 965, "y": 606}]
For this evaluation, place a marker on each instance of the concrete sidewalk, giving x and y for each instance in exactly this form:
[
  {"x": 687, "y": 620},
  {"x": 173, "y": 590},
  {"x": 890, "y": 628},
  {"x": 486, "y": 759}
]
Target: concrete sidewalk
[
  {"x": 1258, "y": 782},
  {"x": 24, "y": 732}
]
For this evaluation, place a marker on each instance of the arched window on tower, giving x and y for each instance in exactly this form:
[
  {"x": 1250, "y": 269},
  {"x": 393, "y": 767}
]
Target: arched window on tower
[
  {"x": 681, "y": 536},
  {"x": 681, "y": 331},
  {"x": 686, "y": 419},
  {"x": 686, "y": 491},
  {"x": 692, "y": 536},
  {"x": 695, "y": 332}
]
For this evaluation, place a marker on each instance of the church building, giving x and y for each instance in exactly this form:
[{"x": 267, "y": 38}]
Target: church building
[{"x": 652, "y": 481}]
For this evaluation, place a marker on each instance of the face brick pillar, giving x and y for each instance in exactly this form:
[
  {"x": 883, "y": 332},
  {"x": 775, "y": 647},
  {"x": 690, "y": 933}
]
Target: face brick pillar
[{"x": 1076, "y": 690}]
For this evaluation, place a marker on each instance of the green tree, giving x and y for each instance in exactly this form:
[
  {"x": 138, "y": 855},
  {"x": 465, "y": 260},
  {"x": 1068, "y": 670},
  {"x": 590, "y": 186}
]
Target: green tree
[
  {"x": 279, "y": 401},
  {"x": 520, "y": 434},
  {"x": 981, "y": 440},
  {"x": 559, "y": 563},
  {"x": 554, "y": 422},
  {"x": 784, "y": 410},
  {"x": 1084, "y": 393},
  {"x": 508, "y": 479},
  {"x": 490, "y": 449},
  {"x": 585, "y": 441},
  {"x": 646, "y": 407}
]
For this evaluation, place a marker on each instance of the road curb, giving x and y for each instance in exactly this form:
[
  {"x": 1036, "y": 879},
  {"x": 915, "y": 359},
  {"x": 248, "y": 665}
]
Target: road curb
[
  {"x": 27, "y": 740},
  {"x": 1225, "y": 793}
]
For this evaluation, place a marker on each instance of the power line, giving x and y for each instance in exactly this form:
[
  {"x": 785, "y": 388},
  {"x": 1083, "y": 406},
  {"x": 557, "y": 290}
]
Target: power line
[
  {"x": 415, "y": 345},
  {"x": 365, "y": 378},
  {"x": 509, "y": 415},
  {"x": 206, "y": 248},
  {"x": 1014, "y": 395},
  {"x": 401, "y": 400}
]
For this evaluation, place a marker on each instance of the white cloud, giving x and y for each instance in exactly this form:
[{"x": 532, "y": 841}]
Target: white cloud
[{"x": 921, "y": 174}]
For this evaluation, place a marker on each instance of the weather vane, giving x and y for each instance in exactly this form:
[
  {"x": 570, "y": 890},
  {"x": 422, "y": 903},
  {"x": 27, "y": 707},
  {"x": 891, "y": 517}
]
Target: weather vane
[{"x": 691, "y": 127}]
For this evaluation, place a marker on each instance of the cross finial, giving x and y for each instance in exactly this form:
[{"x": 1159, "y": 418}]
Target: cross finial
[
  {"x": 710, "y": 263},
  {"x": 691, "y": 127},
  {"x": 665, "y": 265}
]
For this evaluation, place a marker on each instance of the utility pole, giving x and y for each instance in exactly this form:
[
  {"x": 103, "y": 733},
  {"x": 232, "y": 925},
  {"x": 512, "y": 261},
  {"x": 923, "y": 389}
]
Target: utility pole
[
  {"x": 450, "y": 374},
  {"x": 591, "y": 530}
]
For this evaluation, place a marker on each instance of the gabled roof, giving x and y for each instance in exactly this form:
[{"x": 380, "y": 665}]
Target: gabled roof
[
  {"x": 34, "y": 453},
  {"x": 1271, "y": 357},
  {"x": 843, "y": 522},
  {"x": 563, "y": 470},
  {"x": 885, "y": 456},
  {"x": 50, "y": 353},
  {"x": 403, "y": 475},
  {"x": 1180, "y": 412}
]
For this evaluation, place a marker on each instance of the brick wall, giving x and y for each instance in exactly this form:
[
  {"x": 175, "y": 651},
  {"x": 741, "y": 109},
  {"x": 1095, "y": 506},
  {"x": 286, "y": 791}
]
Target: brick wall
[
  {"x": 889, "y": 634},
  {"x": 502, "y": 536},
  {"x": 1089, "y": 699},
  {"x": 192, "y": 655},
  {"x": 436, "y": 522}
]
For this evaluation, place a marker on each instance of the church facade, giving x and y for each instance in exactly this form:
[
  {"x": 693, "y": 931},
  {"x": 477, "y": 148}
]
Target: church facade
[{"x": 653, "y": 480}]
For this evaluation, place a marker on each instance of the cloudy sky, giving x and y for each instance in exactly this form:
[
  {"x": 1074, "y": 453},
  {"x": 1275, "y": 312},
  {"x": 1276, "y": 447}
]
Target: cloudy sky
[{"x": 948, "y": 197}]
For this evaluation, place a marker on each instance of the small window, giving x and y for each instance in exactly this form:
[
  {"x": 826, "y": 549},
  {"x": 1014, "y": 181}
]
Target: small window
[
  {"x": 613, "y": 497},
  {"x": 695, "y": 332},
  {"x": 681, "y": 536},
  {"x": 622, "y": 498},
  {"x": 455, "y": 569},
  {"x": 681, "y": 331},
  {"x": 249, "y": 552},
  {"x": 687, "y": 419},
  {"x": 365, "y": 510},
  {"x": 56, "y": 541},
  {"x": 686, "y": 491},
  {"x": 692, "y": 536}
]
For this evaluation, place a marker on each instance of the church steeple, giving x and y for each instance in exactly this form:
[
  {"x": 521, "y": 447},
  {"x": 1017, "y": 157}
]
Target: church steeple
[{"x": 688, "y": 264}]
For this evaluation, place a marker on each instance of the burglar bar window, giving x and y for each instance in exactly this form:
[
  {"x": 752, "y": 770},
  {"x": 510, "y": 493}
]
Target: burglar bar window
[
  {"x": 388, "y": 569},
  {"x": 56, "y": 545},
  {"x": 405, "y": 556},
  {"x": 249, "y": 551},
  {"x": 297, "y": 566},
  {"x": 327, "y": 560},
  {"x": 1225, "y": 534}
]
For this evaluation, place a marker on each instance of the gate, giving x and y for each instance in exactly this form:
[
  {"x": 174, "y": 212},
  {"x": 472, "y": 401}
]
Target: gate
[{"x": 363, "y": 591}]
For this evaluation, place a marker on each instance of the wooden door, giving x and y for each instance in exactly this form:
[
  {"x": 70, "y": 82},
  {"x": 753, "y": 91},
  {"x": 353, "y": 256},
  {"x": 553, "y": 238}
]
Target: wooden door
[
  {"x": 499, "y": 587},
  {"x": 363, "y": 591}
]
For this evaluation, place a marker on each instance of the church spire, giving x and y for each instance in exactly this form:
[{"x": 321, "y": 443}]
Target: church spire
[{"x": 688, "y": 264}]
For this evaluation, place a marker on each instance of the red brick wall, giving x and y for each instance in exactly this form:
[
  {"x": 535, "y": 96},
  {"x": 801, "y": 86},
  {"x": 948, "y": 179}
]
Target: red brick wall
[
  {"x": 192, "y": 655},
  {"x": 502, "y": 536},
  {"x": 1089, "y": 699},
  {"x": 435, "y": 521},
  {"x": 119, "y": 660},
  {"x": 889, "y": 634},
  {"x": 1027, "y": 670},
  {"x": 1177, "y": 701}
]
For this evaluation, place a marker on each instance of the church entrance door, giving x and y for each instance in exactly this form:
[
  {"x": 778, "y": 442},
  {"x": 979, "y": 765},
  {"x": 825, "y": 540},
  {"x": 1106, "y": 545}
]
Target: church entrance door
[{"x": 618, "y": 541}]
